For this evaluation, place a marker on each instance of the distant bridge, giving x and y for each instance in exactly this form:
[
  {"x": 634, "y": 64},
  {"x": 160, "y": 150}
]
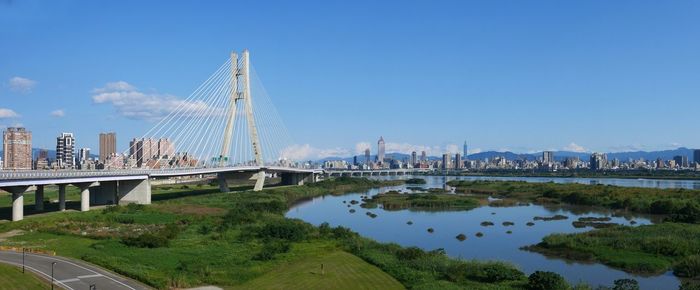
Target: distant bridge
[{"x": 376, "y": 172}]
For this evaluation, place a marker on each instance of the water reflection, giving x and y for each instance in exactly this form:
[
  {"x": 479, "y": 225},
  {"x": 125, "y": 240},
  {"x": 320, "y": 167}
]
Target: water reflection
[{"x": 496, "y": 243}]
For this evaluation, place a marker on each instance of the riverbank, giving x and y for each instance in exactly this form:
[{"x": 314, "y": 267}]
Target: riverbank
[
  {"x": 648, "y": 250},
  {"x": 242, "y": 240}
]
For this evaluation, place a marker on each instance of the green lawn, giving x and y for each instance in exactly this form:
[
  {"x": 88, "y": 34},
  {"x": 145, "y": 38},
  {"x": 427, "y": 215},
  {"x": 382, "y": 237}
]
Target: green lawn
[
  {"x": 340, "y": 271},
  {"x": 12, "y": 278}
]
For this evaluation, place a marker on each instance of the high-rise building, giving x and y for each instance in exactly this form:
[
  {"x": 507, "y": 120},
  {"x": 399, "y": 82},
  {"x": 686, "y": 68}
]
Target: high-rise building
[
  {"x": 367, "y": 156},
  {"x": 84, "y": 155},
  {"x": 446, "y": 161},
  {"x": 414, "y": 158},
  {"x": 547, "y": 157},
  {"x": 17, "y": 148},
  {"x": 108, "y": 145},
  {"x": 423, "y": 156},
  {"x": 380, "y": 150},
  {"x": 166, "y": 149},
  {"x": 599, "y": 161},
  {"x": 458, "y": 161},
  {"x": 65, "y": 148},
  {"x": 696, "y": 156},
  {"x": 465, "y": 151},
  {"x": 681, "y": 161},
  {"x": 42, "y": 160}
]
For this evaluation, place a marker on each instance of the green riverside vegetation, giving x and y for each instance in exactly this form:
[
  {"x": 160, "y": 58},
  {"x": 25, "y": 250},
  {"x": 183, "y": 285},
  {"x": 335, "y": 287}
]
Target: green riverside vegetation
[
  {"x": 647, "y": 249},
  {"x": 193, "y": 235},
  {"x": 422, "y": 201}
]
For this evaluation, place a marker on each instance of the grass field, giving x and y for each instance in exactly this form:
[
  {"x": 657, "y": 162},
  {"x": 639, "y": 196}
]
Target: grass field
[
  {"x": 340, "y": 271},
  {"x": 12, "y": 278}
]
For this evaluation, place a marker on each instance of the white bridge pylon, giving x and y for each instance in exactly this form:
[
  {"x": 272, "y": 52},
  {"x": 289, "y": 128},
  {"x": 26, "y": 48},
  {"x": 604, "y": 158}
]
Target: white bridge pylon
[
  {"x": 240, "y": 77},
  {"x": 228, "y": 121}
]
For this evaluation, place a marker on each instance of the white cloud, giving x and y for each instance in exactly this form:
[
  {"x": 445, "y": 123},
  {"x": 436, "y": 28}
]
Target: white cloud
[
  {"x": 361, "y": 146},
  {"x": 134, "y": 104},
  {"x": 21, "y": 85},
  {"x": 58, "y": 113},
  {"x": 7, "y": 113},
  {"x": 474, "y": 150},
  {"x": 307, "y": 152},
  {"x": 575, "y": 148},
  {"x": 452, "y": 149}
]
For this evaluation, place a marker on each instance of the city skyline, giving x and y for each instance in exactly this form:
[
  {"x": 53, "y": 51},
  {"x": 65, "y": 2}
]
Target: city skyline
[{"x": 576, "y": 78}]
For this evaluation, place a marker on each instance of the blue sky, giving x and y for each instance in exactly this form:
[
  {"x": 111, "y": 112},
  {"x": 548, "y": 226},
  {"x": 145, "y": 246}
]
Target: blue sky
[{"x": 516, "y": 75}]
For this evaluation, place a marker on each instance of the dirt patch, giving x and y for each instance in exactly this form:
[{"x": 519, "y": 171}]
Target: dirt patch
[
  {"x": 197, "y": 210},
  {"x": 12, "y": 233}
]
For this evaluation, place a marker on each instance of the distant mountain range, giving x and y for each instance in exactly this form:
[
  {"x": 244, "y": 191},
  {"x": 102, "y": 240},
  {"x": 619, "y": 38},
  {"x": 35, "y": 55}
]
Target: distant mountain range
[{"x": 558, "y": 155}]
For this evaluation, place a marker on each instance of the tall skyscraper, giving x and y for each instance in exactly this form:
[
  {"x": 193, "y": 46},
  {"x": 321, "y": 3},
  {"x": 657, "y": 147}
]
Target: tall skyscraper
[
  {"x": 458, "y": 161},
  {"x": 547, "y": 157},
  {"x": 108, "y": 145},
  {"x": 380, "y": 150},
  {"x": 696, "y": 156},
  {"x": 17, "y": 148},
  {"x": 465, "y": 151},
  {"x": 414, "y": 158},
  {"x": 423, "y": 156},
  {"x": 367, "y": 156},
  {"x": 65, "y": 148},
  {"x": 145, "y": 149},
  {"x": 446, "y": 161}
]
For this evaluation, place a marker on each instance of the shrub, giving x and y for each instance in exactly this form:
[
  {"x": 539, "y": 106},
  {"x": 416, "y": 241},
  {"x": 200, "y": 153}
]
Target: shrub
[
  {"x": 497, "y": 272},
  {"x": 146, "y": 240},
  {"x": 410, "y": 253},
  {"x": 689, "y": 286},
  {"x": 544, "y": 280},
  {"x": 688, "y": 267},
  {"x": 272, "y": 248},
  {"x": 286, "y": 229},
  {"x": 625, "y": 284}
]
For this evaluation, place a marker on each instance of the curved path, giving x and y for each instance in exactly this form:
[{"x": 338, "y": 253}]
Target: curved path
[{"x": 70, "y": 274}]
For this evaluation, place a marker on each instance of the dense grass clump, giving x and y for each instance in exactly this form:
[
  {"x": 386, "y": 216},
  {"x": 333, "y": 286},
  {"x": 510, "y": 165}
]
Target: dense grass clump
[
  {"x": 648, "y": 249},
  {"x": 681, "y": 205},
  {"x": 542, "y": 280},
  {"x": 422, "y": 201}
]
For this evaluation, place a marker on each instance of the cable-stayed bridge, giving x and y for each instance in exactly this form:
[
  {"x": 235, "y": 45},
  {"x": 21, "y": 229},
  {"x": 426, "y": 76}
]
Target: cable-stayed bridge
[{"x": 227, "y": 127}]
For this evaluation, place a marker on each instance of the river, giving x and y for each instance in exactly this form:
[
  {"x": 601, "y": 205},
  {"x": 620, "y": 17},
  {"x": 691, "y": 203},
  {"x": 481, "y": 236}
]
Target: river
[{"x": 496, "y": 243}]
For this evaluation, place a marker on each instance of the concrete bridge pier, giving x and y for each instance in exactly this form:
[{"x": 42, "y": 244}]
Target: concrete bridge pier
[
  {"x": 39, "y": 198},
  {"x": 85, "y": 194},
  {"x": 134, "y": 191},
  {"x": 62, "y": 197},
  {"x": 17, "y": 200}
]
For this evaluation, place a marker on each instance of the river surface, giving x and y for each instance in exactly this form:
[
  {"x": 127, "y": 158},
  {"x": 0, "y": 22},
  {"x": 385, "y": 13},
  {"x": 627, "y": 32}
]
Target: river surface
[{"x": 496, "y": 244}]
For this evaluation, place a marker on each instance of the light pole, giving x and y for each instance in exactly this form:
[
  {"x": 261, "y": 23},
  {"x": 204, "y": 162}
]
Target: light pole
[{"x": 52, "y": 264}]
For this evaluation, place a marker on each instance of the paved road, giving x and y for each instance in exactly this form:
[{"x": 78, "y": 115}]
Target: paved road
[{"x": 70, "y": 274}]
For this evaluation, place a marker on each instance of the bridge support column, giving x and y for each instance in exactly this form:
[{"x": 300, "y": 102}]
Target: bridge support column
[
  {"x": 62, "y": 197},
  {"x": 39, "y": 198},
  {"x": 17, "y": 206},
  {"x": 17, "y": 200},
  {"x": 134, "y": 191},
  {"x": 85, "y": 194},
  {"x": 260, "y": 181}
]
